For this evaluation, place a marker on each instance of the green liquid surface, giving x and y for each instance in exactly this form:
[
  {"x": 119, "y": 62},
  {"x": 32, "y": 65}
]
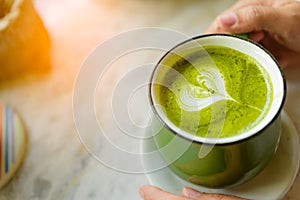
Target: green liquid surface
[{"x": 216, "y": 92}]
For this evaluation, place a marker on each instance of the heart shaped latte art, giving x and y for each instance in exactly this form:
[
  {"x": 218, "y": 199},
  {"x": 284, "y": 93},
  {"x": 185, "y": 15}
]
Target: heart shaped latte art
[{"x": 210, "y": 89}]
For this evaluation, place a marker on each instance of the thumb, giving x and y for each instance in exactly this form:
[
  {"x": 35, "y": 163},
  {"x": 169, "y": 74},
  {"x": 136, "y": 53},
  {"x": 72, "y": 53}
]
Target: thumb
[
  {"x": 148, "y": 192},
  {"x": 195, "y": 195},
  {"x": 249, "y": 19}
]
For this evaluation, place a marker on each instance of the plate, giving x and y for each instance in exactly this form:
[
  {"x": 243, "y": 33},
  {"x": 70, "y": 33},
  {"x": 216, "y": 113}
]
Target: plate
[{"x": 272, "y": 183}]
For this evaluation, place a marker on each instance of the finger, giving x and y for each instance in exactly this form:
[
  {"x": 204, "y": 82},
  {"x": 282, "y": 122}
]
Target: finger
[
  {"x": 195, "y": 195},
  {"x": 153, "y": 193},
  {"x": 284, "y": 56},
  {"x": 191, "y": 193},
  {"x": 248, "y": 19},
  {"x": 257, "y": 36},
  {"x": 289, "y": 60},
  {"x": 215, "y": 28}
]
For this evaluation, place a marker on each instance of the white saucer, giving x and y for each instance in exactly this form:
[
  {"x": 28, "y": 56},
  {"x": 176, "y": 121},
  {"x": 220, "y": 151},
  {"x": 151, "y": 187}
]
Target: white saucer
[{"x": 272, "y": 183}]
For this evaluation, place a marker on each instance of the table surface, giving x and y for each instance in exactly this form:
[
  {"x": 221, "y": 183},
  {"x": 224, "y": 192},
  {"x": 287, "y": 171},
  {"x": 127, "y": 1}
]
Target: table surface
[{"x": 57, "y": 165}]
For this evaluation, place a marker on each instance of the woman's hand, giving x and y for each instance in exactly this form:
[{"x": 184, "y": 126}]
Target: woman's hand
[
  {"x": 273, "y": 23},
  {"x": 154, "y": 193}
]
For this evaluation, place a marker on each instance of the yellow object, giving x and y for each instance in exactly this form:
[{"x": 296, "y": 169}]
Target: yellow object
[{"x": 24, "y": 41}]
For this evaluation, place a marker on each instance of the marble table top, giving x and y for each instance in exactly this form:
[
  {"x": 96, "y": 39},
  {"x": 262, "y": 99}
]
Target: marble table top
[{"x": 57, "y": 164}]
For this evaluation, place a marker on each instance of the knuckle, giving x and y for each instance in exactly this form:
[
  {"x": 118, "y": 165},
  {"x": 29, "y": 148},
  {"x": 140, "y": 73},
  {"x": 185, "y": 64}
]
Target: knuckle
[
  {"x": 258, "y": 16},
  {"x": 219, "y": 197},
  {"x": 254, "y": 12}
]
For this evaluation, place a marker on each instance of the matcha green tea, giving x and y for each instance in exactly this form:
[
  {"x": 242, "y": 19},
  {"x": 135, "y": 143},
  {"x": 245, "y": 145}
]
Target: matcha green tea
[{"x": 216, "y": 92}]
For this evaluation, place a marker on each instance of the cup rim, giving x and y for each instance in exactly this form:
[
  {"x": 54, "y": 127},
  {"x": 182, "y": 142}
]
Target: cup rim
[{"x": 216, "y": 143}]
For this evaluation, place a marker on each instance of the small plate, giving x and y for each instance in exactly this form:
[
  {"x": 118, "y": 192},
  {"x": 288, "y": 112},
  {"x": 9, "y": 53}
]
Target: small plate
[{"x": 272, "y": 183}]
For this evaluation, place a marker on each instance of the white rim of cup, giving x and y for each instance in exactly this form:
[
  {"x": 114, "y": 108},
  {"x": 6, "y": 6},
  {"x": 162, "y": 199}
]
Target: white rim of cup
[{"x": 262, "y": 55}]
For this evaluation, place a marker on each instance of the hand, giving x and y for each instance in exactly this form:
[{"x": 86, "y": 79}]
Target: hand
[
  {"x": 154, "y": 193},
  {"x": 273, "y": 23}
]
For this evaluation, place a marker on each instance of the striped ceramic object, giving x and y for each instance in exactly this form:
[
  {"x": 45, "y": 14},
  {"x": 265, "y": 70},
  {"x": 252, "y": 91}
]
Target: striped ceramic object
[{"x": 12, "y": 143}]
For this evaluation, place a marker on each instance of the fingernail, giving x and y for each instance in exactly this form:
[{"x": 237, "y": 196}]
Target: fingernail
[
  {"x": 228, "y": 19},
  {"x": 141, "y": 191},
  {"x": 190, "y": 193},
  {"x": 257, "y": 36}
]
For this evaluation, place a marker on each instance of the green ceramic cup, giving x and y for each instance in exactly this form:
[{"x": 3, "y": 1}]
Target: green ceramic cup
[{"x": 225, "y": 161}]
